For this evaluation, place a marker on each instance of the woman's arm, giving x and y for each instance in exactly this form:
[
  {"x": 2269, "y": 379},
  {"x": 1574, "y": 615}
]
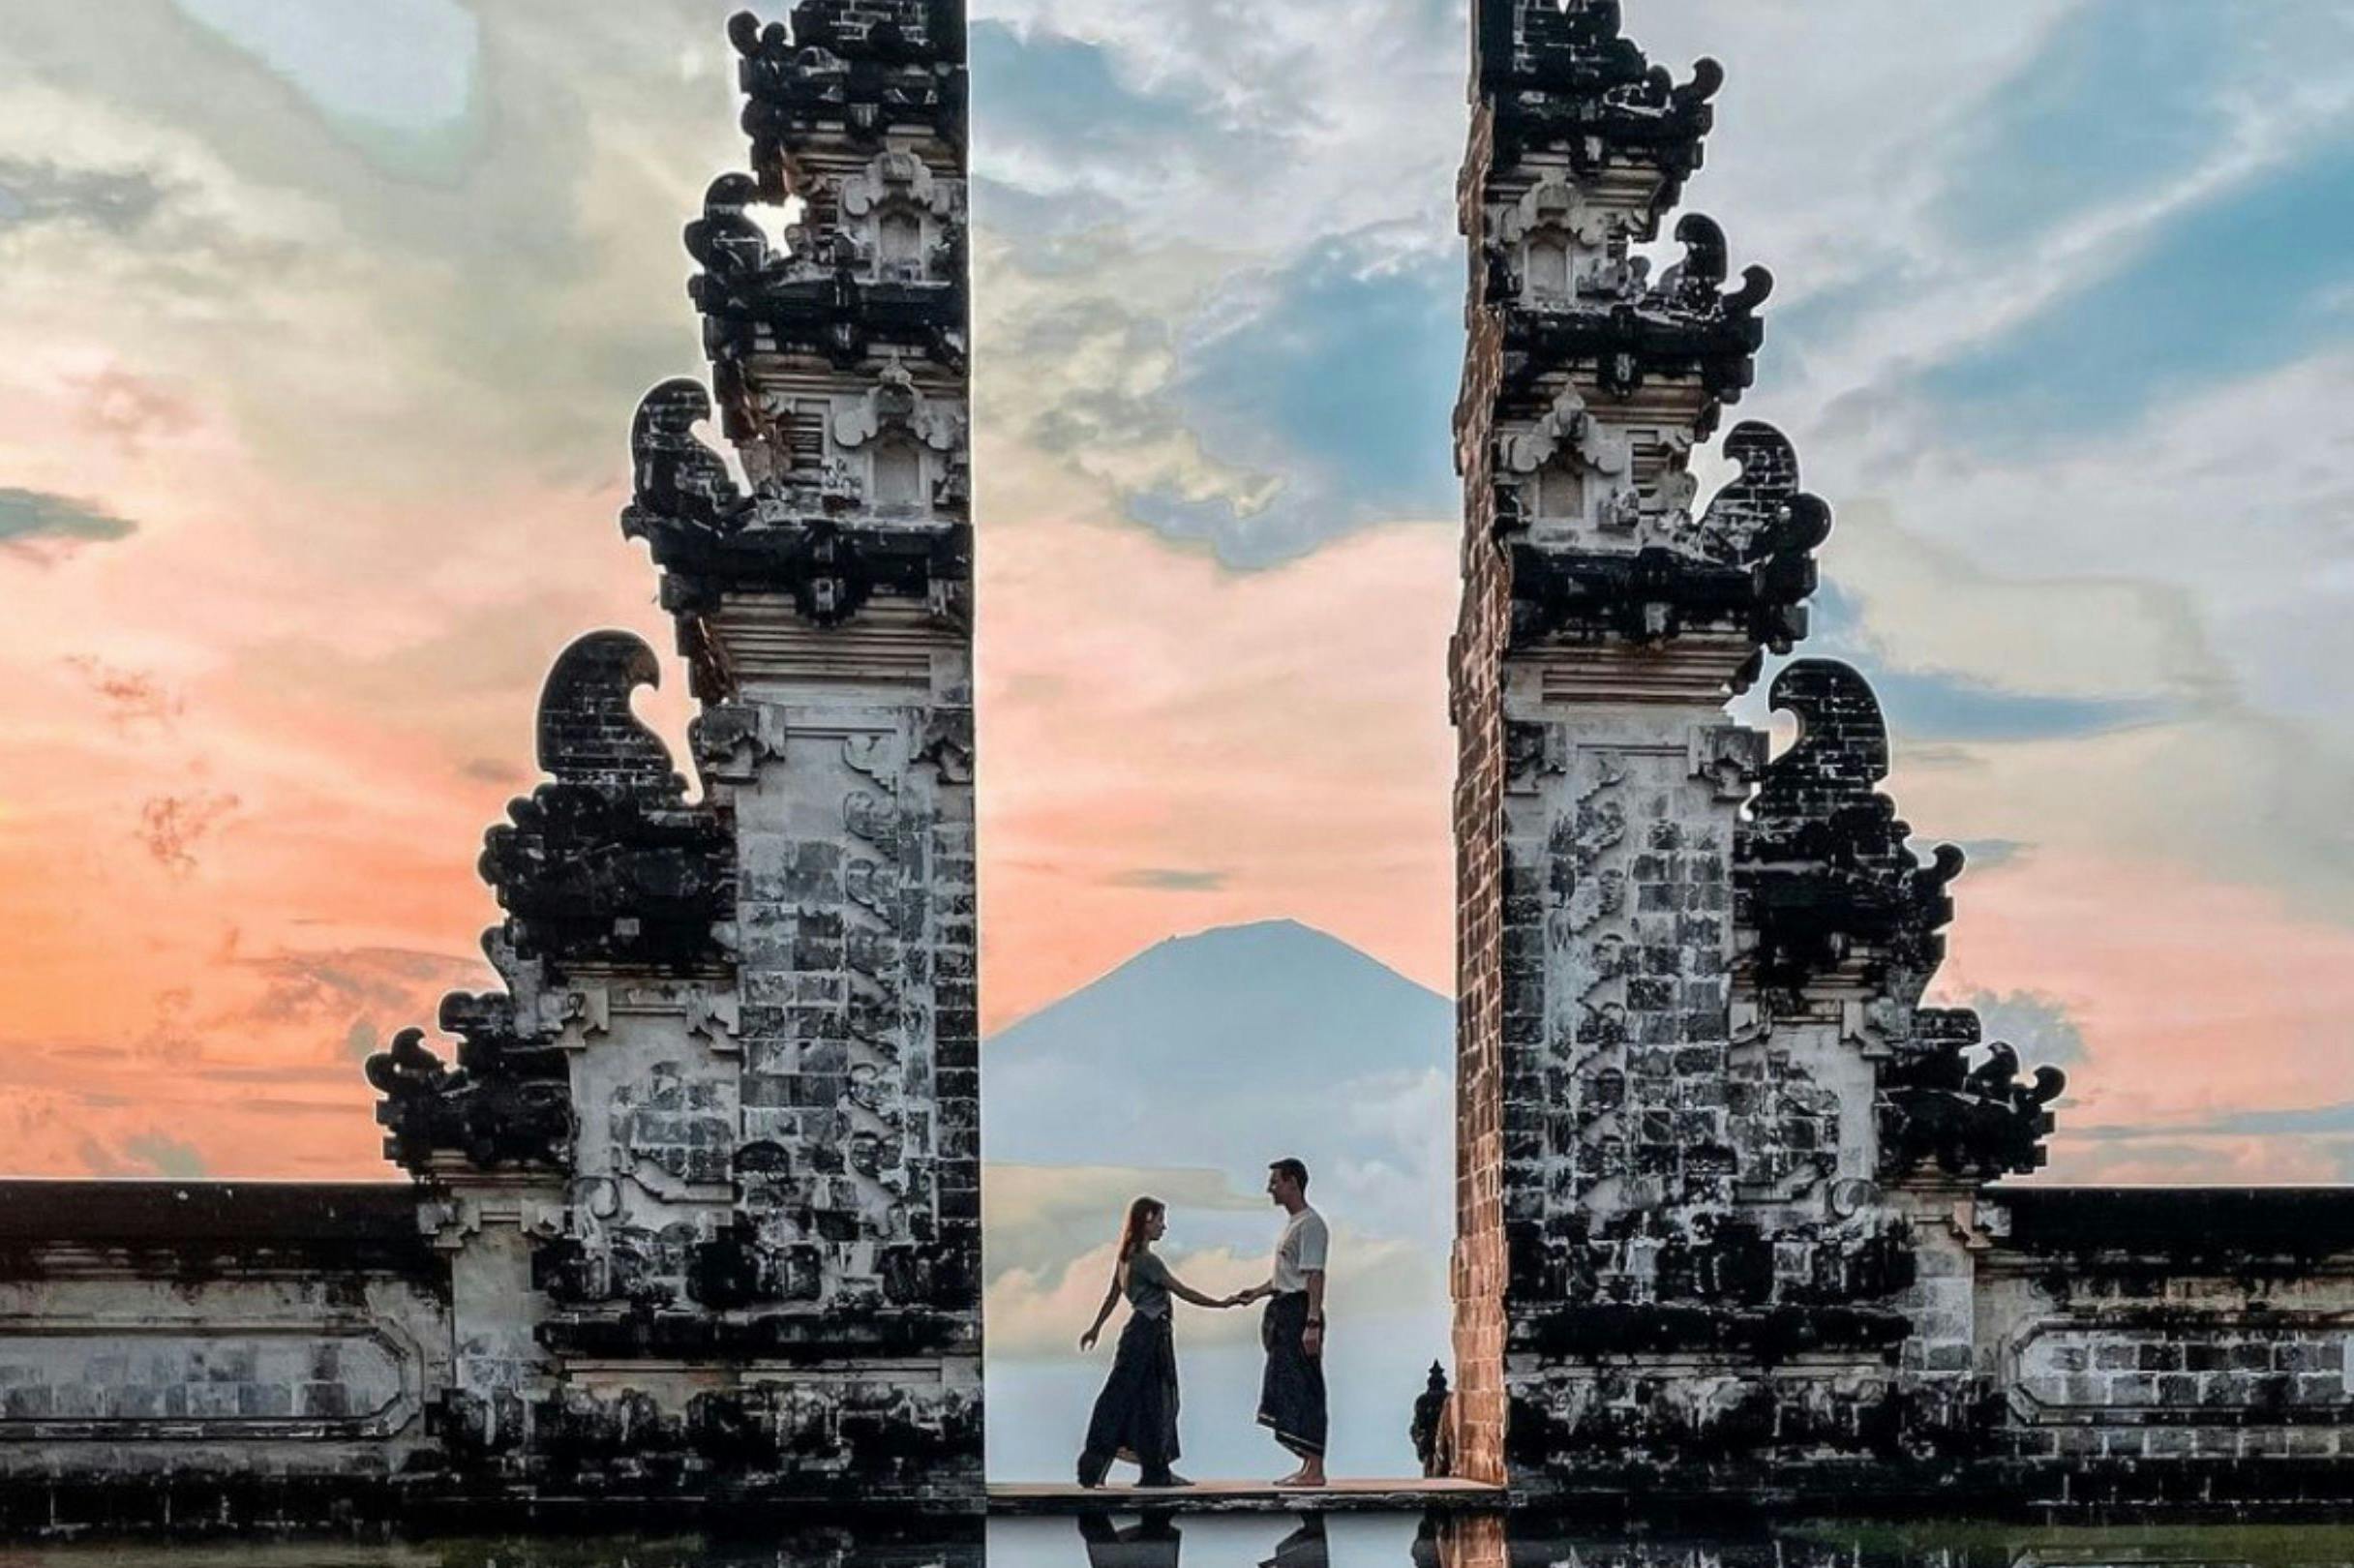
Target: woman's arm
[
  {"x": 1186, "y": 1292},
  {"x": 1111, "y": 1298}
]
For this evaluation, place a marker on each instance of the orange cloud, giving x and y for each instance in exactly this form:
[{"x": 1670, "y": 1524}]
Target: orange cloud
[{"x": 2196, "y": 999}]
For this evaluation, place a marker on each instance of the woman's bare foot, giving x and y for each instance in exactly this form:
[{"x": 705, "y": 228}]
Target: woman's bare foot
[{"x": 1307, "y": 1475}]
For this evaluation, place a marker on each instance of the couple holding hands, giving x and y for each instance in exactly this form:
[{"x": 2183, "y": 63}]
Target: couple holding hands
[{"x": 1136, "y": 1416}]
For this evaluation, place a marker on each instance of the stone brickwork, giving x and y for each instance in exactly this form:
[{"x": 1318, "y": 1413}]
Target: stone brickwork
[
  {"x": 1477, "y": 1266},
  {"x": 1677, "y": 1177},
  {"x": 211, "y": 1349}
]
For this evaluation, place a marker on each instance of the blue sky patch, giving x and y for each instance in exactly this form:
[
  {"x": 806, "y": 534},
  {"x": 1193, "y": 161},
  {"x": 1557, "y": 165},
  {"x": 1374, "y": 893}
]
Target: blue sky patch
[
  {"x": 2252, "y": 280},
  {"x": 395, "y": 77},
  {"x": 2124, "y": 95},
  {"x": 1336, "y": 376},
  {"x": 1930, "y": 704},
  {"x": 1058, "y": 91},
  {"x": 36, "y": 514},
  {"x": 1944, "y": 705}
]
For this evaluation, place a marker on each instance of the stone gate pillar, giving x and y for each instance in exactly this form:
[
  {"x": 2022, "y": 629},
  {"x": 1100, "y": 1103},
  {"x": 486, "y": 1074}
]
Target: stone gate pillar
[
  {"x": 1619, "y": 1129},
  {"x": 1696, "y": 1086},
  {"x": 710, "y": 1166},
  {"x": 827, "y": 614}
]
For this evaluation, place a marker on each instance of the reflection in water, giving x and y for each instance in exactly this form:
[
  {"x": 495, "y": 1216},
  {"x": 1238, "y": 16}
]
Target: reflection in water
[
  {"x": 1528, "y": 1541},
  {"x": 1523, "y": 1541},
  {"x": 1150, "y": 1542},
  {"x": 1286, "y": 1541},
  {"x": 1304, "y": 1548}
]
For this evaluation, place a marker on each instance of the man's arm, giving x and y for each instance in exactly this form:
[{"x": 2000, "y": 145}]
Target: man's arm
[{"x": 1314, "y": 1241}]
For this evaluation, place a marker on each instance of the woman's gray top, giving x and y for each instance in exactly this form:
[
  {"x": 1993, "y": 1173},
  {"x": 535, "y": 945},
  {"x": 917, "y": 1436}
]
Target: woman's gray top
[{"x": 1148, "y": 1285}]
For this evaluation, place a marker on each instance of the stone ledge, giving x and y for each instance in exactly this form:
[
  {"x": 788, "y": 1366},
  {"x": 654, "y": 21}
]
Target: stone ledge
[
  {"x": 1411, "y": 1496},
  {"x": 2176, "y": 1222}
]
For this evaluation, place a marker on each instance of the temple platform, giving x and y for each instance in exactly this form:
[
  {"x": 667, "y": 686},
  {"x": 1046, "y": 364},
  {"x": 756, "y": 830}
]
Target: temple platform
[{"x": 1399, "y": 1494}]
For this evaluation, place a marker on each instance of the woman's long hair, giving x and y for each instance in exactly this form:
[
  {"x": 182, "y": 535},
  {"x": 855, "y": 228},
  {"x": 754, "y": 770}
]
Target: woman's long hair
[{"x": 1139, "y": 1215}]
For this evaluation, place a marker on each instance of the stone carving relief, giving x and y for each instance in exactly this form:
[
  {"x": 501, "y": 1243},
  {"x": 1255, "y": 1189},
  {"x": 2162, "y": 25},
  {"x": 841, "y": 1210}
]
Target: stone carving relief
[
  {"x": 1552, "y": 249},
  {"x": 1939, "y": 1107},
  {"x": 904, "y": 224},
  {"x": 1528, "y": 53},
  {"x": 1570, "y": 470},
  {"x": 912, "y": 451}
]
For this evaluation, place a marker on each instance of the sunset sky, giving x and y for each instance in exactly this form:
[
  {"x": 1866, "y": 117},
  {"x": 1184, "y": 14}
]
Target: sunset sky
[{"x": 321, "y": 324}]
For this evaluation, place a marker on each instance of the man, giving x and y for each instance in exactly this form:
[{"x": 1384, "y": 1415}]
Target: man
[{"x": 1291, "y": 1396}]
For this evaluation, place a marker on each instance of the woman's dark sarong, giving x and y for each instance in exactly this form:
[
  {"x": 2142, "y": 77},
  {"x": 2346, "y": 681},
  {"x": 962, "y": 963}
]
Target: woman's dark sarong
[
  {"x": 1136, "y": 1416},
  {"x": 1291, "y": 1397}
]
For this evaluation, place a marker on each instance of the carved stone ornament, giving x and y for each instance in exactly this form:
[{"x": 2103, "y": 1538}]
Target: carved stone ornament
[
  {"x": 1827, "y": 866},
  {"x": 1978, "y": 1119}
]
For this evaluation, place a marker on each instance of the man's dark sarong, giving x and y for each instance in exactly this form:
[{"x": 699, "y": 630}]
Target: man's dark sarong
[
  {"x": 1291, "y": 1397},
  {"x": 1136, "y": 1416}
]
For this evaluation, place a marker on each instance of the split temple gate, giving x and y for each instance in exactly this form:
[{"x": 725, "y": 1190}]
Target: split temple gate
[{"x": 695, "y": 1208}]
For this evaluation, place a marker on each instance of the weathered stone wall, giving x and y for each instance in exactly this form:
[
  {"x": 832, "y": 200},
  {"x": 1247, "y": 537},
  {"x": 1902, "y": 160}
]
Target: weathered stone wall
[
  {"x": 2170, "y": 1344},
  {"x": 193, "y": 1346}
]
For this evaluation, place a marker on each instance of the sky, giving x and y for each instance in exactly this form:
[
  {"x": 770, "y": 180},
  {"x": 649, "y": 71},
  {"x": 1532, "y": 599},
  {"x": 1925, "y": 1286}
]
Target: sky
[{"x": 321, "y": 324}]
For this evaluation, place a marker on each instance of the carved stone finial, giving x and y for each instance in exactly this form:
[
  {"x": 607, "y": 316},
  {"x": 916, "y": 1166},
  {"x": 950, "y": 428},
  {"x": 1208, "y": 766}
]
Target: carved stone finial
[
  {"x": 1763, "y": 513},
  {"x": 678, "y": 480},
  {"x": 1692, "y": 284},
  {"x": 407, "y": 1068},
  {"x": 1968, "y": 1120},
  {"x": 589, "y": 734},
  {"x": 729, "y": 244},
  {"x": 1707, "y": 79},
  {"x": 1841, "y": 751},
  {"x": 1826, "y": 863}
]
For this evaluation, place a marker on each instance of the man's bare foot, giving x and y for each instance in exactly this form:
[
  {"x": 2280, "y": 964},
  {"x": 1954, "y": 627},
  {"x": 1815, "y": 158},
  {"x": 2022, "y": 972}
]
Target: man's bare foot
[{"x": 1305, "y": 1476}]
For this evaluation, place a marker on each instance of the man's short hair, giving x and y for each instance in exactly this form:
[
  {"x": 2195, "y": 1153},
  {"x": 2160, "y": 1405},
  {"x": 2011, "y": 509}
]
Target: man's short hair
[{"x": 1292, "y": 1171}]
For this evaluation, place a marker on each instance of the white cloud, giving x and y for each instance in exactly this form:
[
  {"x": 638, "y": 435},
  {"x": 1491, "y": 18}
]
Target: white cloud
[{"x": 1038, "y": 1218}]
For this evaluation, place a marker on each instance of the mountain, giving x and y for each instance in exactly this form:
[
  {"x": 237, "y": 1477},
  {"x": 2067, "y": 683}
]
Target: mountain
[
  {"x": 1226, "y": 1048},
  {"x": 1216, "y": 1053}
]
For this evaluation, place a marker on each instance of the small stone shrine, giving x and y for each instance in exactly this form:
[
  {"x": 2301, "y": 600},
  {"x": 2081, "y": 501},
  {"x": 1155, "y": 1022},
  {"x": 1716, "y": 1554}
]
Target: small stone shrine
[{"x": 693, "y": 1216}]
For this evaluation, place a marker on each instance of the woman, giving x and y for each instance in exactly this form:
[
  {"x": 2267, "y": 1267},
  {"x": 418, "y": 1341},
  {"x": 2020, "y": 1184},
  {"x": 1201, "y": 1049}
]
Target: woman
[{"x": 1136, "y": 1416}]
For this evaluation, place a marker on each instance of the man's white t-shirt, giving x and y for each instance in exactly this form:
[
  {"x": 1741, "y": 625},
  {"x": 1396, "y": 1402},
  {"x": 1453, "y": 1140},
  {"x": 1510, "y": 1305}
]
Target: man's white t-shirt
[{"x": 1303, "y": 1248}]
